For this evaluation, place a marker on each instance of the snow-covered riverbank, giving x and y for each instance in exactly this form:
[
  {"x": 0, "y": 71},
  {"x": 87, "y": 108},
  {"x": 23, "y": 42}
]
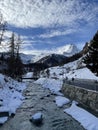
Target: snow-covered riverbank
[
  {"x": 10, "y": 96},
  {"x": 86, "y": 119}
]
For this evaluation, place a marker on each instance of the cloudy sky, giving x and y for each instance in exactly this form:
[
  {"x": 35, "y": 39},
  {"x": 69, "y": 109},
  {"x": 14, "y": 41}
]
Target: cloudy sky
[{"x": 48, "y": 24}]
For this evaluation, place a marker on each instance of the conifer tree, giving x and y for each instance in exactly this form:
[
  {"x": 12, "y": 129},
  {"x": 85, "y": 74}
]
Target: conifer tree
[
  {"x": 19, "y": 65},
  {"x": 91, "y": 59},
  {"x": 11, "y": 59},
  {"x": 12, "y": 45},
  {"x": 15, "y": 66}
]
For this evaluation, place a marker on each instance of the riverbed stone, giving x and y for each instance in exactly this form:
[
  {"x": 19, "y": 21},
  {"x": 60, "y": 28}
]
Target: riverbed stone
[{"x": 37, "y": 118}]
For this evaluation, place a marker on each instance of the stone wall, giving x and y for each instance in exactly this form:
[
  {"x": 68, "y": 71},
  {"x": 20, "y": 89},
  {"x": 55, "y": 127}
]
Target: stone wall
[{"x": 83, "y": 96}]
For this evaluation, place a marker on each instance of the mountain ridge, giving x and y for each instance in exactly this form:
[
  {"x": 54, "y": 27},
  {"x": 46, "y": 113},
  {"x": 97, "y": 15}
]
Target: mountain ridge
[{"x": 68, "y": 50}]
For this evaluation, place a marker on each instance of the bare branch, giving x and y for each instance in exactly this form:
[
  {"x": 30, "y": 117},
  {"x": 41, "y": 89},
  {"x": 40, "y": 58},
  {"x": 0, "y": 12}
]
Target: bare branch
[{"x": 3, "y": 27}]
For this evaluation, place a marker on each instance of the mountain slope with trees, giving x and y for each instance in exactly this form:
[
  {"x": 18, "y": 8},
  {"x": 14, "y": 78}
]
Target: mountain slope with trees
[{"x": 91, "y": 58}]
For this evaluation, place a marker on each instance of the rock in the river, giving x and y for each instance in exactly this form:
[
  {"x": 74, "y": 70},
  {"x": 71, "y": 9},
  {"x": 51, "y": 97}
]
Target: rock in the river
[
  {"x": 37, "y": 118},
  {"x": 1, "y": 102}
]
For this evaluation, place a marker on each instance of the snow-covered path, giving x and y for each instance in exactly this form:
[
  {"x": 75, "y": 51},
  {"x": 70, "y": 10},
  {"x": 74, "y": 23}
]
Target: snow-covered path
[{"x": 39, "y": 99}]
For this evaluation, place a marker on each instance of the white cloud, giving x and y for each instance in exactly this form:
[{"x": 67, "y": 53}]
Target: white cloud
[
  {"x": 43, "y": 13},
  {"x": 54, "y": 33},
  {"x": 58, "y": 17},
  {"x": 36, "y": 52}
]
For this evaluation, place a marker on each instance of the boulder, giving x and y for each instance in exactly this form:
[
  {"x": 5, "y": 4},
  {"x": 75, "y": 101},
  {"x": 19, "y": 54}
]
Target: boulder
[{"x": 37, "y": 118}]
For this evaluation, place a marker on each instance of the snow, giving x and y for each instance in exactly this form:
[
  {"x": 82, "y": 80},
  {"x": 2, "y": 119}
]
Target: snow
[
  {"x": 87, "y": 120},
  {"x": 10, "y": 94},
  {"x": 52, "y": 84},
  {"x": 26, "y": 58},
  {"x": 37, "y": 116},
  {"x": 4, "y": 109},
  {"x": 40, "y": 56},
  {"x": 3, "y": 120},
  {"x": 84, "y": 73},
  {"x": 71, "y": 70},
  {"x": 28, "y": 75},
  {"x": 67, "y": 50},
  {"x": 60, "y": 101}
]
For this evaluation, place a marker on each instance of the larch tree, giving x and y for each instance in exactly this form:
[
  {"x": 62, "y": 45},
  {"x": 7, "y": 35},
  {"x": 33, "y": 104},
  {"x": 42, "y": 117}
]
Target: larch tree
[
  {"x": 19, "y": 64},
  {"x": 15, "y": 66},
  {"x": 3, "y": 28}
]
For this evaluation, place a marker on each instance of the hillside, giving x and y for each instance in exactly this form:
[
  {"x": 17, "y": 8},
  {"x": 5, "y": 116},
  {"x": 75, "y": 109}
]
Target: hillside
[{"x": 52, "y": 60}]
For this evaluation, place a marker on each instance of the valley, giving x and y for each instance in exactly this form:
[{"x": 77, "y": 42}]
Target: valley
[{"x": 48, "y": 65}]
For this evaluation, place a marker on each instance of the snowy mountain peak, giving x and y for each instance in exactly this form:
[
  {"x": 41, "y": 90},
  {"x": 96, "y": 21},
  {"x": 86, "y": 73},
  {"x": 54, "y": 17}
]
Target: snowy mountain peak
[{"x": 68, "y": 50}]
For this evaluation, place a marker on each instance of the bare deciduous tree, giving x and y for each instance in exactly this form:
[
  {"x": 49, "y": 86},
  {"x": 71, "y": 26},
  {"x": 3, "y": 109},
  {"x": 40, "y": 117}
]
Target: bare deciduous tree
[{"x": 3, "y": 27}]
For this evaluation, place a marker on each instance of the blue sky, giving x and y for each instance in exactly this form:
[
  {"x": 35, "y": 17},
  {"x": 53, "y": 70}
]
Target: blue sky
[{"x": 48, "y": 24}]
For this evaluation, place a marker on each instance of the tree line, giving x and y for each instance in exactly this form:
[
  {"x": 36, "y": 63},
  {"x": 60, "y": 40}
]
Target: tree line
[{"x": 14, "y": 63}]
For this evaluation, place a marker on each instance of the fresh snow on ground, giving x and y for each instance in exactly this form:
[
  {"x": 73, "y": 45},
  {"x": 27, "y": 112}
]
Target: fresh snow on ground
[
  {"x": 71, "y": 70},
  {"x": 28, "y": 75},
  {"x": 87, "y": 120},
  {"x": 83, "y": 73},
  {"x": 10, "y": 95},
  {"x": 60, "y": 101},
  {"x": 3, "y": 120},
  {"x": 52, "y": 84},
  {"x": 11, "y": 92}
]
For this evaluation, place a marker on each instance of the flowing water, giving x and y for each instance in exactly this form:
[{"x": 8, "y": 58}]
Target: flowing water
[{"x": 38, "y": 99}]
